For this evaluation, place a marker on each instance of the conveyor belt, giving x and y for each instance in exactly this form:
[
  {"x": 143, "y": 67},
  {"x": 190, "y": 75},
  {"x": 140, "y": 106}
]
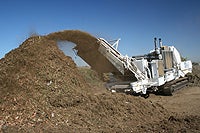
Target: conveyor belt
[{"x": 101, "y": 56}]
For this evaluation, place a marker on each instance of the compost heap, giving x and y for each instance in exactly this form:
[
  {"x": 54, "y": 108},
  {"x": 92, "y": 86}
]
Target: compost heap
[
  {"x": 195, "y": 75},
  {"x": 42, "y": 90}
]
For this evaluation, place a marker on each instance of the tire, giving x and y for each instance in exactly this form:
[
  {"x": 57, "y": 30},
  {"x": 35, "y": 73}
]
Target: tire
[{"x": 168, "y": 91}]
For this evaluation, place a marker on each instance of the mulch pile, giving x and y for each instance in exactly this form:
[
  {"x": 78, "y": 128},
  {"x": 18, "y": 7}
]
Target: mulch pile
[
  {"x": 195, "y": 75},
  {"x": 42, "y": 90}
]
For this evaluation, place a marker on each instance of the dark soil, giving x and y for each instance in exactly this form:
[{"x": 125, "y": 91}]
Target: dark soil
[{"x": 42, "y": 90}]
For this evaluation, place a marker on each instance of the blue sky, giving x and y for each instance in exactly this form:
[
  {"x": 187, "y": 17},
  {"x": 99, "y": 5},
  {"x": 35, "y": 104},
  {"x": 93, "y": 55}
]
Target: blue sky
[{"x": 136, "y": 22}]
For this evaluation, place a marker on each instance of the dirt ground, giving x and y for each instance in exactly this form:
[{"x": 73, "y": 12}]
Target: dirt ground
[
  {"x": 42, "y": 90},
  {"x": 184, "y": 101},
  {"x": 183, "y": 107}
]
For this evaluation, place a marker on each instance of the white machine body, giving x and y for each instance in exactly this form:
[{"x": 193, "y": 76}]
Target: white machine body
[{"x": 161, "y": 65}]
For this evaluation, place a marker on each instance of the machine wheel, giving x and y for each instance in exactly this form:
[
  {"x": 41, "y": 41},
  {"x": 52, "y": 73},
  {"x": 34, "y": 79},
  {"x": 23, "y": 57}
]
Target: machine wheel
[
  {"x": 168, "y": 91},
  {"x": 145, "y": 95},
  {"x": 191, "y": 77}
]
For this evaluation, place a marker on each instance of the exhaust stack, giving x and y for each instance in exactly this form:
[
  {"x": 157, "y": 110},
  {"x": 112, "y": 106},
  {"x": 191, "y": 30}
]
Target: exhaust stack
[
  {"x": 160, "y": 42},
  {"x": 155, "y": 43}
]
